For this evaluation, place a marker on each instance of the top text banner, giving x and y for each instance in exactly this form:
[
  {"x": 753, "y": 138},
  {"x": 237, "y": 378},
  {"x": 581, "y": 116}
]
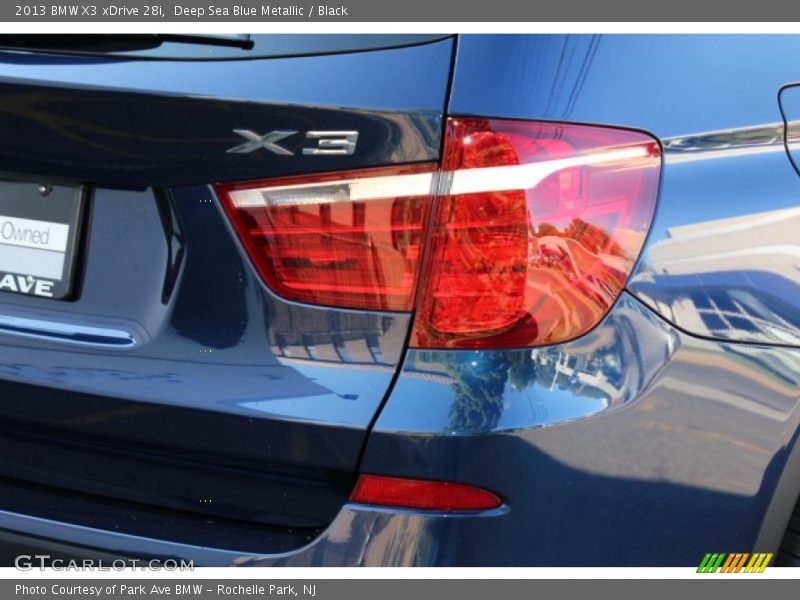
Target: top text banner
[{"x": 444, "y": 11}]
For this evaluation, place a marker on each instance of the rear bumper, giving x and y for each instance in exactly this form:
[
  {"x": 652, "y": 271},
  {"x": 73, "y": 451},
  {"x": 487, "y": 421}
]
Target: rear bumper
[{"x": 635, "y": 445}]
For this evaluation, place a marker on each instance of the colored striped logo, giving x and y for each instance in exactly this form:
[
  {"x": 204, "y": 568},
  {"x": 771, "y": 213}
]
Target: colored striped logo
[{"x": 734, "y": 563}]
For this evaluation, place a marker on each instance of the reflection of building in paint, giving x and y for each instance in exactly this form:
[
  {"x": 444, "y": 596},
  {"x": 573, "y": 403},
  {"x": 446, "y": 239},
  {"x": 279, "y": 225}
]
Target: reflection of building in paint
[
  {"x": 715, "y": 144},
  {"x": 739, "y": 243},
  {"x": 731, "y": 278}
]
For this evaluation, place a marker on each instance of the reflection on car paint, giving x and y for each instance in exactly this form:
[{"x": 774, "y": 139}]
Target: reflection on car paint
[{"x": 472, "y": 392}]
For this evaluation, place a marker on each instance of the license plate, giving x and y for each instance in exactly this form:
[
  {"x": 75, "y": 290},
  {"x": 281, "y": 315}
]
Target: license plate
[{"x": 39, "y": 232}]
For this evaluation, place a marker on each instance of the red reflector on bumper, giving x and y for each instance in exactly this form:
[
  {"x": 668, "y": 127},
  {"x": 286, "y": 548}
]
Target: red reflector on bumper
[{"x": 422, "y": 494}]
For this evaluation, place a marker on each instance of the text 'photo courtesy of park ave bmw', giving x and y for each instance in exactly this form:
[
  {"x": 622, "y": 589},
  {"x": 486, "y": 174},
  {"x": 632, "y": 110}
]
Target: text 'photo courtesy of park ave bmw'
[{"x": 400, "y": 300}]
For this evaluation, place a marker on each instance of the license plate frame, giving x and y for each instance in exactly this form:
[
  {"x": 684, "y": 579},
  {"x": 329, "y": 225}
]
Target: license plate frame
[{"x": 40, "y": 230}]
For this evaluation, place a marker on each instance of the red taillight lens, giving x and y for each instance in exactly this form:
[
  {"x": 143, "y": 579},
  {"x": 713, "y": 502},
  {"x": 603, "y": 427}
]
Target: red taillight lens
[
  {"x": 536, "y": 232},
  {"x": 350, "y": 239},
  {"x": 421, "y": 494},
  {"x": 533, "y": 234}
]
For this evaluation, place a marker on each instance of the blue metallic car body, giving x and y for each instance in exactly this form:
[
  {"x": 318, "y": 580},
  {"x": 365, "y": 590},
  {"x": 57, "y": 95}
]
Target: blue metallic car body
[{"x": 668, "y": 430}]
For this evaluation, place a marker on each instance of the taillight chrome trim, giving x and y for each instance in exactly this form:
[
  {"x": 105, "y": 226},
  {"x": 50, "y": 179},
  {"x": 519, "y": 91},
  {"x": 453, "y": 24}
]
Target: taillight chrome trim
[
  {"x": 345, "y": 190},
  {"x": 461, "y": 181},
  {"x": 527, "y": 176}
]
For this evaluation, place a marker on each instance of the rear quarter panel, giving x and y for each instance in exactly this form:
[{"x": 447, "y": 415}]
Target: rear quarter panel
[{"x": 666, "y": 432}]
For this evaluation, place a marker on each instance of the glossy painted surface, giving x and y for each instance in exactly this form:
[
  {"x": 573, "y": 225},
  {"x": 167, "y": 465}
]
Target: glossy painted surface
[
  {"x": 789, "y": 99},
  {"x": 644, "y": 442},
  {"x": 215, "y": 47},
  {"x": 175, "y": 380},
  {"x": 209, "y": 368},
  {"x": 639, "y": 445},
  {"x": 734, "y": 275},
  {"x": 135, "y": 122},
  {"x": 481, "y": 392},
  {"x": 681, "y": 429},
  {"x": 722, "y": 256}
]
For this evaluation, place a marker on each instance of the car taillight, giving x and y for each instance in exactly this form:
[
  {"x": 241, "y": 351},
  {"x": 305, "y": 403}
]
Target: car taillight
[
  {"x": 350, "y": 239},
  {"x": 534, "y": 228},
  {"x": 535, "y": 232}
]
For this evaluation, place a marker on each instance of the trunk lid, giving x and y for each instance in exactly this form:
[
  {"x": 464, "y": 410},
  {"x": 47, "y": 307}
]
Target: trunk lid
[{"x": 171, "y": 378}]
